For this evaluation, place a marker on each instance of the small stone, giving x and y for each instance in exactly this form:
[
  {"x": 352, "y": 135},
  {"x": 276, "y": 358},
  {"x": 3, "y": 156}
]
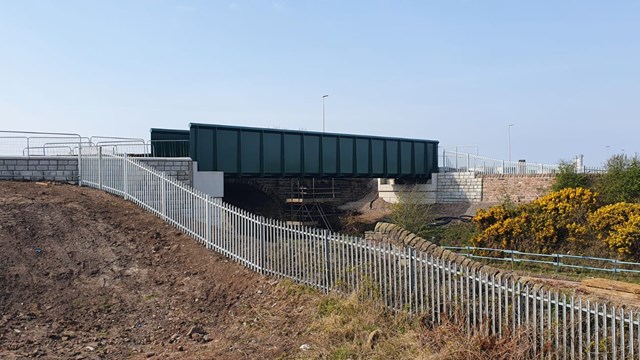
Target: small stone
[
  {"x": 150, "y": 354},
  {"x": 90, "y": 348},
  {"x": 17, "y": 331},
  {"x": 174, "y": 337},
  {"x": 305, "y": 347},
  {"x": 196, "y": 336},
  {"x": 180, "y": 348},
  {"x": 196, "y": 330}
]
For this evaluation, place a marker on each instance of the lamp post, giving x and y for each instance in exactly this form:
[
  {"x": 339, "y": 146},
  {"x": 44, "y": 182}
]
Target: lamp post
[
  {"x": 323, "y": 97},
  {"x": 509, "y": 129}
]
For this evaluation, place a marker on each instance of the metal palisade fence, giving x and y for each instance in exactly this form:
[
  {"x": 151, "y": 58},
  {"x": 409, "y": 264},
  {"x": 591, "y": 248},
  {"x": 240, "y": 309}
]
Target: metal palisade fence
[
  {"x": 437, "y": 287},
  {"x": 453, "y": 161}
]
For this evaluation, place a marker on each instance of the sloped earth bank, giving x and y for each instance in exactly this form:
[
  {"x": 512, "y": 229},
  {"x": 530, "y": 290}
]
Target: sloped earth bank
[{"x": 87, "y": 275}]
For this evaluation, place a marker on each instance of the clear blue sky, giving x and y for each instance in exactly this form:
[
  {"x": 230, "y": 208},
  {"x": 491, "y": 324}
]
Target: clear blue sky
[{"x": 565, "y": 73}]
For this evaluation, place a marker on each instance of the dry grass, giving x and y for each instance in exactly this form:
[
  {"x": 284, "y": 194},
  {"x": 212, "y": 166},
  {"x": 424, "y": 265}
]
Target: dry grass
[
  {"x": 449, "y": 342},
  {"x": 353, "y": 328}
]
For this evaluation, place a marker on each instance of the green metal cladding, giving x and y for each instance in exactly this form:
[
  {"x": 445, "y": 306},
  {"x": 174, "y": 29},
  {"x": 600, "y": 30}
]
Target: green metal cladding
[{"x": 258, "y": 152}]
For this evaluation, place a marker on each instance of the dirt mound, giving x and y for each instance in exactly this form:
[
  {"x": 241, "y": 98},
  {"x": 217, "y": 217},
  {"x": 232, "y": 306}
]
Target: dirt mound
[{"x": 86, "y": 275}]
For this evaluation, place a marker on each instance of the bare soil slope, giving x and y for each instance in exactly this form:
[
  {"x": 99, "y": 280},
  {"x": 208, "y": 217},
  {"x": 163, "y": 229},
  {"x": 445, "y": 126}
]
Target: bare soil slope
[{"x": 86, "y": 275}]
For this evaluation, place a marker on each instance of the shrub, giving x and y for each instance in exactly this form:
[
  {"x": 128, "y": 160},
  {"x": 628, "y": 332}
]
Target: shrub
[
  {"x": 621, "y": 183},
  {"x": 411, "y": 214},
  {"x": 618, "y": 226},
  {"x": 485, "y": 218},
  {"x": 626, "y": 238},
  {"x": 567, "y": 177},
  {"x": 545, "y": 225}
]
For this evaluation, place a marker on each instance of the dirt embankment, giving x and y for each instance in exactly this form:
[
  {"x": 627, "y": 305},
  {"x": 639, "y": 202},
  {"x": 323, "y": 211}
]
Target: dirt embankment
[{"x": 86, "y": 275}]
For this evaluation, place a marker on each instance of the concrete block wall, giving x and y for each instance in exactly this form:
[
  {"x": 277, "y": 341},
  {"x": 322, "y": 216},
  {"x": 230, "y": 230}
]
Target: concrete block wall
[
  {"x": 177, "y": 168},
  {"x": 462, "y": 187},
  {"x": 392, "y": 193},
  {"x": 516, "y": 188},
  {"x": 64, "y": 169}
]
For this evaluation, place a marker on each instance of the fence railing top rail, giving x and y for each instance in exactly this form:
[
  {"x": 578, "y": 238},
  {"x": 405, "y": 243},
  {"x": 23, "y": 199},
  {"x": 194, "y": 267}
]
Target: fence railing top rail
[
  {"x": 463, "y": 161},
  {"x": 558, "y": 257}
]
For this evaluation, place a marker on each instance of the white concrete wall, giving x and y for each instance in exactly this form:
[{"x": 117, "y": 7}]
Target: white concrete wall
[
  {"x": 209, "y": 182},
  {"x": 391, "y": 192},
  {"x": 460, "y": 187},
  {"x": 443, "y": 188}
]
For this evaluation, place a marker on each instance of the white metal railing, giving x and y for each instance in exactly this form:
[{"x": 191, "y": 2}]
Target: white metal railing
[
  {"x": 558, "y": 325},
  {"x": 453, "y": 161},
  {"x": 557, "y": 260},
  {"x": 29, "y": 143},
  {"x": 149, "y": 148},
  {"x": 34, "y": 144}
]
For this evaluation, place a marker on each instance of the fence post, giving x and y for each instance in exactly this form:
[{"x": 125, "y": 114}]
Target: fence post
[
  {"x": 125, "y": 180},
  {"x": 468, "y": 161},
  {"x": 412, "y": 288},
  {"x": 207, "y": 215},
  {"x": 100, "y": 167},
  {"x": 456, "y": 160},
  {"x": 326, "y": 262},
  {"x": 444, "y": 158},
  {"x": 262, "y": 240},
  {"x": 80, "y": 162},
  {"x": 163, "y": 196}
]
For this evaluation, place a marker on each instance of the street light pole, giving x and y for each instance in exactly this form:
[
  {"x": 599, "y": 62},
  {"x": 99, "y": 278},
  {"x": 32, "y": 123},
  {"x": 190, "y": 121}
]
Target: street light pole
[
  {"x": 509, "y": 127},
  {"x": 323, "y": 97}
]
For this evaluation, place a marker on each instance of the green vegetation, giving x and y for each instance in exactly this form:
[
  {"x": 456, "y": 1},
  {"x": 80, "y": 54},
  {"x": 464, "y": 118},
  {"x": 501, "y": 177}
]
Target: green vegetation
[
  {"x": 585, "y": 216},
  {"x": 591, "y": 215},
  {"x": 568, "y": 177},
  {"x": 552, "y": 223},
  {"x": 353, "y": 328},
  {"x": 410, "y": 214},
  {"x": 565, "y": 221},
  {"x": 621, "y": 182}
]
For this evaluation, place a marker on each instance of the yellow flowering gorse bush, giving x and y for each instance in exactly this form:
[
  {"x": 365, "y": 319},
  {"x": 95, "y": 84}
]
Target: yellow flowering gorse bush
[
  {"x": 618, "y": 226},
  {"x": 544, "y": 225},
  {"x": 568, "y": 220}
]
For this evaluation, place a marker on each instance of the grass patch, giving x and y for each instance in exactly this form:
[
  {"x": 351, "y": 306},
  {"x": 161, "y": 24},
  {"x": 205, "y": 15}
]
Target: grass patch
[
  {"x": 149, "y": 297},
  {"x": 353, "y": 328}
]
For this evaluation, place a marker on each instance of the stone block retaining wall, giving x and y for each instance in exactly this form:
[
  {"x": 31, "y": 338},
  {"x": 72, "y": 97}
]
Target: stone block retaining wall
[
  {"x": 64, "y": 169},
  {"x": 517, "y": 188},
  {"x": 463, "y": 187}
]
